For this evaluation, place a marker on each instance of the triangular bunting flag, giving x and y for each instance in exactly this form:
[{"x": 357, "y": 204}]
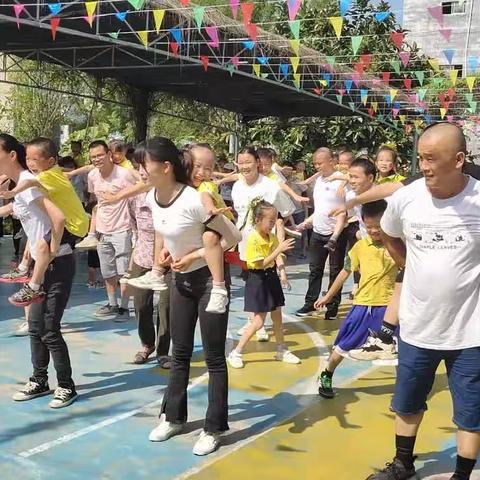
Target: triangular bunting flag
[
  {"x": 295, "y": 61},
  {"x": 136, "y": 4},
  {"x": 293, "y": 8},
  {"x": 143, "y": 34},
  {"x": 296, "y": 79},
  {"x": 235, "y": 61},
  {"x": 473, "y": 107},
  {"x": 89, "y": 19},
  {"x": 395, "y": 112},
  {"x": 337, "y": 23},
  {"x": 344, "y": 6},
  {"x": 450, "y": 118},
  {"x": 54, "y": 23},
  {"x": 18, "y": 10},
  {"x": 177, "y": 35},
  {"x": 366, "y": 59},
  {"x": 351, "y": 105},
  {"x": 121, "y": 16},
  {"x": 388, "y": 99},
  {"x": 449, "y": 53},
  {"x": 90, "y": 7},
  {"x": 375, "y": 106},
  {"x": 443, "y": 112},
  {"x": 114, "y": 35},
  {"x": 295, "y": 28},
  {"x": 396, "y": 66},
  {"x": 386, "y": 77},
  {"x": 451, "y": 93},
  {"x": 331, "y": 60},
  {"x": 198, "y": 14},
  {"x": 348, "y": 85},
  {"x": 356, "y": 42},
  {"x": 263, "y": 60},
  {"x": 249, "y": 44},
  {"x": 204, "y": 60},
  {"x": 231, "y": 69},
  {"x": 234, "y": 6},
  {"x": 454, "y": 76},
  {"x": 264, "y": 75},
  {"x": 158, "y": 19},
  {"x": 470, "y": 83},
  {"x": 472, "y": 63},
  {"x": 397, "y": 39},
  {"x": 381, "y": 16},
  {"x": 185, "y": 2},
  {"x": 53, "y": 7},
  {"x": 393, "y": 93},
  {"x": 317, "y": 90},
  {"x": 404, "y": 57},
  {"x": 356, "y": 79},
  {"x": 213, "y": 34},
  {"x": 247, "y": 12},
  {"x": 446, "y": 33},
  {"x": 364, "y": 95},
  {"x": 421, "y": 93},
  {"x": 284, "y": 68},
  {"x": 437, "y": 13},
  {"x": 408, "y": 83},
  {"x": 174, "y": 46},
  {"x": 434, "y": 64},
  {"x": 420, "y": 74},
  {"x": 256, "y": 69},
  {"x": 295, "y": 46},
  {"x": 339, "y": 98},
  {"x": 327, "y": 78},
  {"x": 252, "y": 31}
]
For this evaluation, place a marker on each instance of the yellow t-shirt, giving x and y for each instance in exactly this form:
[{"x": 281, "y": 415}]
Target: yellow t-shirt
[
  {"x": 259, "y": 248},
  {"x": 62, "y": 194},
  {"x": 396, "y": 177},
  {"x": 377, "y": 273},
  {"x": 212, "y": 189},
  {"x": 125, "y": 163}
]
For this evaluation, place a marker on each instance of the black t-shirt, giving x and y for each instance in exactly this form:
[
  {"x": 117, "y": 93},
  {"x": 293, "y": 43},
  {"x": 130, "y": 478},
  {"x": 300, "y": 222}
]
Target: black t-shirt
[{"x": 468, "y": 168}]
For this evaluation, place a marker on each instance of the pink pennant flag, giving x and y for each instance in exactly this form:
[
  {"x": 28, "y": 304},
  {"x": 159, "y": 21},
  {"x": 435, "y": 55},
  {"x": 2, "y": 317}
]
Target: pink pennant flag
[
  {"x": 450, "y": 118},
  {"x": 397, "y": 39},
  {"x": 356, "y": 78},
  {"x": 54, "y": 23},
  {"x": 446, "y": 33},
  {"x": 213, "y": 34},
  {"x": 341, "y": 91},
  {"x": 235, "y": 61},
  {"x": 404, "y": 57},
  {"x": 89, "y": 19},
  {"x": 376, "y": 82},
  {"x": 436, "y": 13},
  {"x": 317, "y": 90},
  {"x": 18, "y": 10},
  {"x": 293, "y": 8},
  {"x": 234, "y": 6},
  {"x": 413, "y": 97},
  {"x": 395, "y": 112},
  {"x": 247, "y": 12},
  {"x": 204, "y": 60}
]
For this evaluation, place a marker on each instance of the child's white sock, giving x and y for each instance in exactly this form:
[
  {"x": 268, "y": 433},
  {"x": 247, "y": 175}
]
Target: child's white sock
[
  {"x": 124, "y": 302},
  {"x": 23, "y": 267},
  {"x": 112, "y": 299},
  {"x": 34, "y": 286}
]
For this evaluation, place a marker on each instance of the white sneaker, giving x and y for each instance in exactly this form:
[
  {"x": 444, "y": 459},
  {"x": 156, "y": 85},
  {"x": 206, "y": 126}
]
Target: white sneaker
[
  {"x": 22, "y": 330},
  {"x": 165, "y": 430},
  {"x": 241, "y": 330},
  {"x": 375, "y": 349},
  {"x": 88, "y": 243},
  {"x": 218, "y": 300},
  {"x": 63, "y": 397},
  {"x": 206, "y": 443},
  {"x": 234, "y": 359},
  {"x": 262, "y": 335},
  {"x": 287, "y": 356},
  {"x": 293, "y": 232},
  {"x": 149, "y": 281}
]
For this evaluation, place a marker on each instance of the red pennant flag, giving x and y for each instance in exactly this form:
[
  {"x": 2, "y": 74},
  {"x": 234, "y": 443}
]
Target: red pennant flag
[
  {"x": 54, "y": 23},
  {"x": 441, "y": 97},
  {"x": 359, "y": 67},
  {"x": 184, "y": 2},
  {"x": 397, "y": 39},
  {"x": 317, "y": 90},
  {"x": 235, "y": 61},
  {"x": 371, "y": 112},
  {"x": 408, "y": 83},
  {"x": 451, "y": 93},
  {"x": 251, "y": 29},
  {"x": 366, "y": 59},
  {"x": 386, "y": 77},
  {"x": 204, "y": 60},
  {"x": 445, "y": 105},
  {"x": 174, "y": 47},
  {"x": 247, "y": 12}
]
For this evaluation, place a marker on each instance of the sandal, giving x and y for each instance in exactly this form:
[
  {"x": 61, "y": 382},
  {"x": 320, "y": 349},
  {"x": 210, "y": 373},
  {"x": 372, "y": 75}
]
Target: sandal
[
  {"x": 142, "y": 356},
  {"x": 165, "y": 362}
]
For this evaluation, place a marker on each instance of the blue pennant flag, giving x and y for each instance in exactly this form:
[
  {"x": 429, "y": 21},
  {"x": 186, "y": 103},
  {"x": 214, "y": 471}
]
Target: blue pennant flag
[
  {"x": 263, "y": 60},
  {"x": 449, "y": 53},
  {"x": 121, "y": 16},
  {"x": 381, "y": 16},
  {"x": 428, "y": 118},
  {"x": 55, "y": 8},
  {"x": 249, "y": 44},
  {"x": 388, "y": 99},
  {"x": 472, "y": 63},
  {"x": 284, "y": 68},
  {"x": 327, "y": 77},
  {"x": 348, "y": 85},
  {"x": 344, "y": 6},
  {"x": 397, "y": 105},
  {"x": 177, "y": 34}
]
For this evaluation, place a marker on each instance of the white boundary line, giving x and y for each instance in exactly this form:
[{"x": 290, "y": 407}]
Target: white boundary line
[{"x": 104, "y": 423}]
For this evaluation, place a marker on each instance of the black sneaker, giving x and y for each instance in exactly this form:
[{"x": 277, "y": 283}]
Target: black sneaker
[
  {"x": 31, "y": 390},
  {"x": 63, "y": 397},
  {"x": 305, "y": 311},
  {"x": 123, "y": 315},
  {"x": 325, "y": 387},
  {"x": 106, "y": 311},
  {"x": 331, "y": 313},
  {"x": 394, "y": 471}
]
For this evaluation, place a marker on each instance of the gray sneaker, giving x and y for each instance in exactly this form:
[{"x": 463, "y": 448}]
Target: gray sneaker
[
  {"x": 106, "y": 311},
  {"x": 122, "y": 315}
]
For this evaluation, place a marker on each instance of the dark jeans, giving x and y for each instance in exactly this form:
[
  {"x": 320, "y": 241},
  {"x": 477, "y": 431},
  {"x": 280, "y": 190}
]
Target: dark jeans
[
  {"x": 318, "y": 257},
  {"x": 189, "y": 296},
  {"x": 44, "y": 324},
  {"x": 351, "y": 233},
  {"x": 143, "y": 302}
]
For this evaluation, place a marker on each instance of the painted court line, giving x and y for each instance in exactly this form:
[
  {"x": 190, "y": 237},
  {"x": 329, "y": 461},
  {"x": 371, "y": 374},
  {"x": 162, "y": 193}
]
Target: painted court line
[{"x": 97, "y": 426}]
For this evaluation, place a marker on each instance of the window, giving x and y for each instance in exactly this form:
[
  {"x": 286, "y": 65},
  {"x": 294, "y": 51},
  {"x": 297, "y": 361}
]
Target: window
[
  {"x": 447, "y": 68},
  {"x": 453, "y": 7}
]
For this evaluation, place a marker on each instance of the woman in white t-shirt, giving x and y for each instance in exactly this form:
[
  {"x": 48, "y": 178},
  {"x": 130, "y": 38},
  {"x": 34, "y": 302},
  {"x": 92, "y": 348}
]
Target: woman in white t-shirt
[{"x": 180, "y": 219}]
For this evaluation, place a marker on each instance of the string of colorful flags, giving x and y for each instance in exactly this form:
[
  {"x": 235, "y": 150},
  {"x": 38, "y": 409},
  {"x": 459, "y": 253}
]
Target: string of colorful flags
[{"x": 433, "y": 92}]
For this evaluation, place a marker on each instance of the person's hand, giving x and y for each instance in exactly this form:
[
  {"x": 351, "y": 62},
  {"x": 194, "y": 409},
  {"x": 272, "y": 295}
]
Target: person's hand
[
  {"x": 300, "y": 199},
  {"x": 165, "y": 258},
  {"x": 218, "y": 211},
  {"x": 284, "y": 281},
  {"x": 338, "y": 211},
  {"x": 107, "y": 197},
  {"x": 183, "y": 263},
  {"x": 331, "y": 245},
  {"x": 6, "y": 194},
  {"x": 287, "y": 245},
  {"x": 306, "y": 225},
  {"x": 341, "y": 192},
  {"x": 320, "y": 303}
]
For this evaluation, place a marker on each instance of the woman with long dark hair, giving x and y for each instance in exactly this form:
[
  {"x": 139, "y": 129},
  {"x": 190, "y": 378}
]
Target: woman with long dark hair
[{"x": 180, "y": 219}]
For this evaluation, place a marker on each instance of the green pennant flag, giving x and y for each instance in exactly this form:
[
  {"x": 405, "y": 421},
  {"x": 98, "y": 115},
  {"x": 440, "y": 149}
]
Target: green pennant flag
[
  {"x": 295, "y": 28},
  {"x": 198, "y": 14},
  {"x": 231, "y": 69},
  {"x": 420, "y": 76},
  {"x": 331, "y": 60},
  {"x": 356, "y": 42},
  {"x": 421, "y": 93},
  {"x": 114, "y": 35},
  {"x": 351, "y": 105},
  {"x": 264, "y": 75},
  {"x": 473, "y": 107},
  {"x": 469, "y": 97},
  {"x": 438, "y": 81},
  {"x": 396, "y": 65},
  {"x": 380, "y": 117},
  {"x": 339, "y": 98},
  {"x": 136, "y": 4}
]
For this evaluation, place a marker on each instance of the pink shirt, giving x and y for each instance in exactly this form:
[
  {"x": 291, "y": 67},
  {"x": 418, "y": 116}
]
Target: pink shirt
[
  {"x": 142, "y": 217},
  {"x": 114, "y": 217}
]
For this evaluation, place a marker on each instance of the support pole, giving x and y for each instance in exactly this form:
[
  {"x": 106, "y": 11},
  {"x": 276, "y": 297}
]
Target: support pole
[
  {"x": 414, "y": 165},
  {"x": 141, "y": 100}
]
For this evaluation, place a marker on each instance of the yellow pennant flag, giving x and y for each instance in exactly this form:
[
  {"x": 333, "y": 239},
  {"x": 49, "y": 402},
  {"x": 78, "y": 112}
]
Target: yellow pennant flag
[
  {"x": 470, "y": 83},
  {"x": 295, "y": 45},
  {"x": 393, "y": 94},
  {"x": 375, "y": 106},
  {"x": 296, "y": 79},
  {"x": 90, "y": 7},
  {"x": 402, "y": 118},
  {"x": 443, "y": 112},
  {"x": 337, "y": 24},
  {"x": 295, "y": 62},
  {"x": 158, "y": 18},
  {"x": 256, "y": 69},
  {"x": 453, "y": 76},
  {"x": 417, "y": 123},
  {"x": 143, "y": 34},
  {"x": 323, "y": 83},
  {"x": 434, "y": 64}
]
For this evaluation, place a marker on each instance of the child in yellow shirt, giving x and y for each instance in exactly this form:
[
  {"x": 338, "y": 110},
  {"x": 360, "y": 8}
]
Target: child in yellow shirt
[{"x": 386, "y": 162}]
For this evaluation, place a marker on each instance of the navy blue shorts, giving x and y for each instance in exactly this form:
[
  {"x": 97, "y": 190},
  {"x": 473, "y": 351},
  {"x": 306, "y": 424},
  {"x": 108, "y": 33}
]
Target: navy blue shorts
[{"x": 416, "y": 373}]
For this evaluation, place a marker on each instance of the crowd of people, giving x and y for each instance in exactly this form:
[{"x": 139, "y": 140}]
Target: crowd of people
[{"x": 165, "y": 225}]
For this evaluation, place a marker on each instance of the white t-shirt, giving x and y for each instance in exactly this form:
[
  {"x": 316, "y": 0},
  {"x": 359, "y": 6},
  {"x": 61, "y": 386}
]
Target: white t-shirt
[
  {"x": 243, "y": 194},
  {"x": 35, "y": 222},
  {"x": 181, "y": 224},
  {"x": 440, "y": 302},
  {"x": 325, "y": 199},
  {"x": 356, "y": 212}
]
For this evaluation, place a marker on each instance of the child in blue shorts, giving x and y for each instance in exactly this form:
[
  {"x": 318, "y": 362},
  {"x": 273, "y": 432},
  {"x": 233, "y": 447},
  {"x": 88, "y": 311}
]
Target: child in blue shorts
[{"x": 377, "y": 280}]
